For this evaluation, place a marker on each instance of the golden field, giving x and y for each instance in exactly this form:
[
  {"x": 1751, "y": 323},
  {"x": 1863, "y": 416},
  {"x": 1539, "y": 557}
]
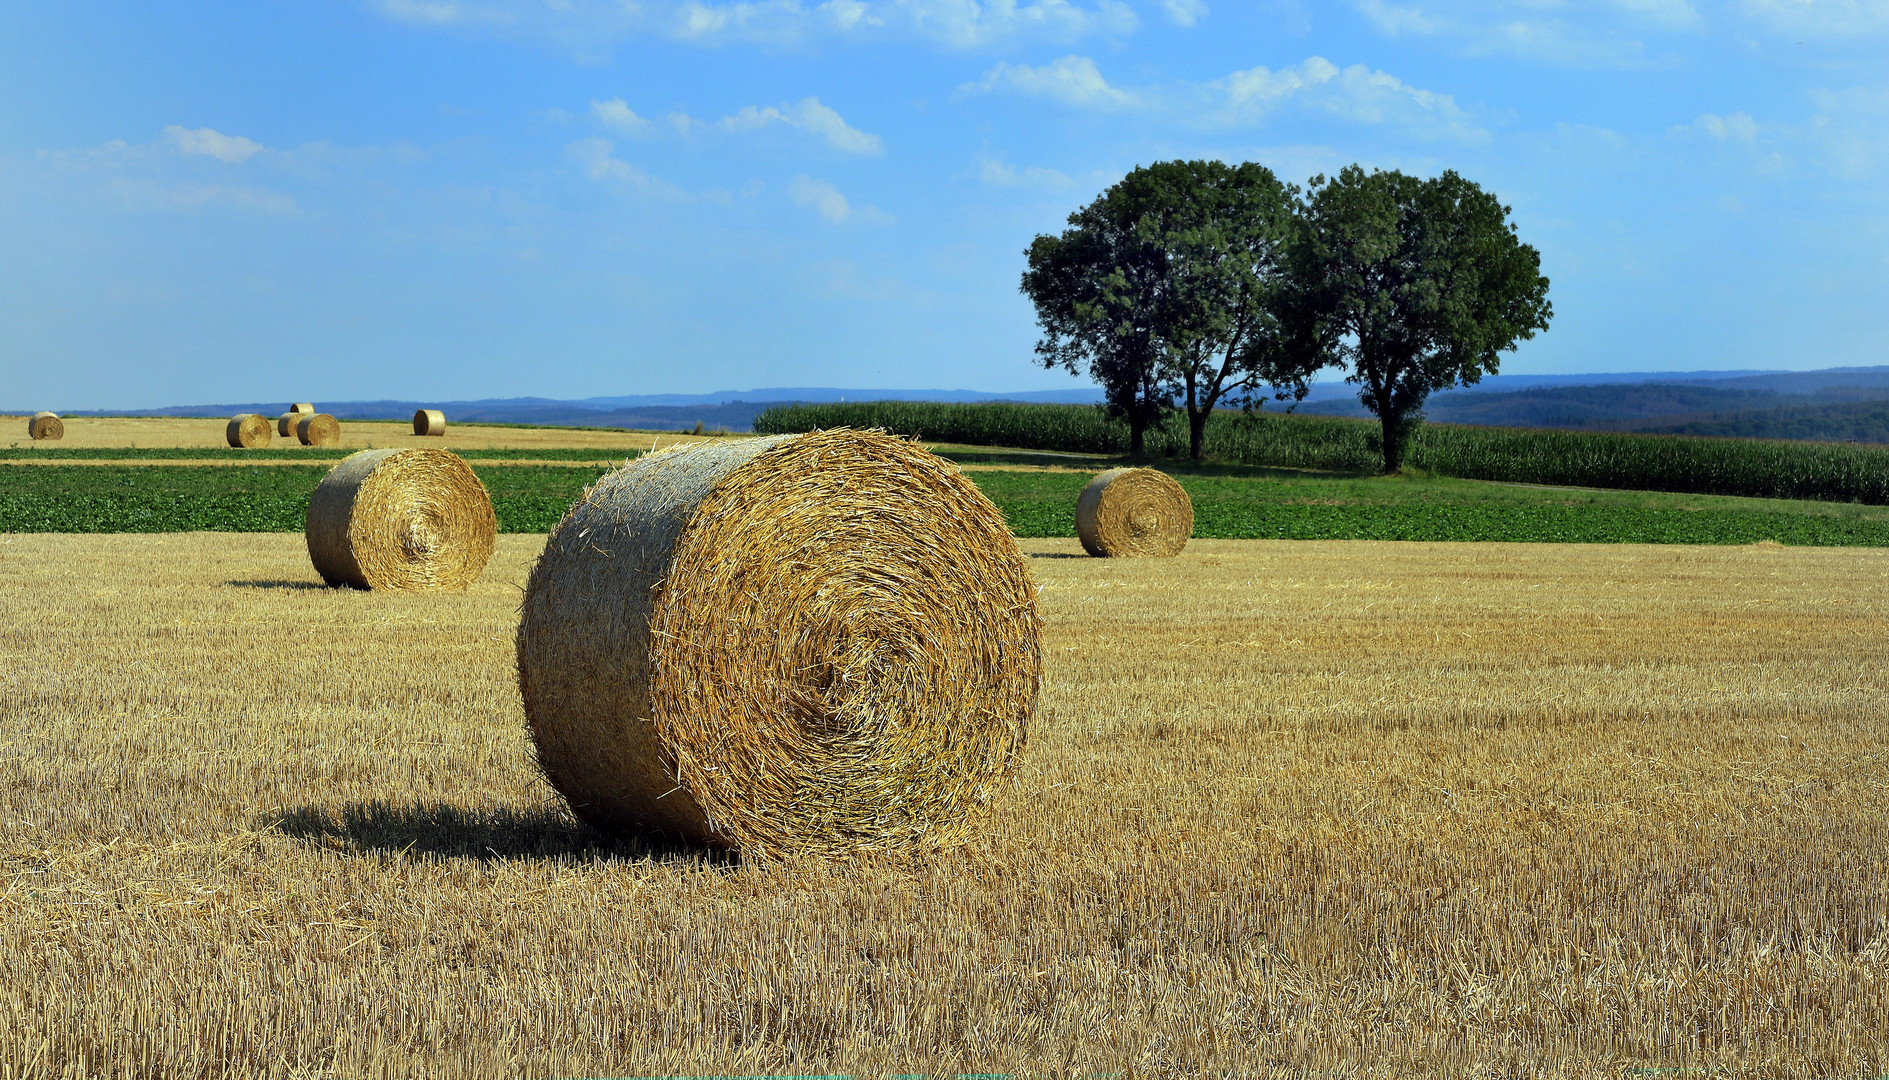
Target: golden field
[
  {"x": 149, "y": 432},
  {"x": 1349, "y": 809}
]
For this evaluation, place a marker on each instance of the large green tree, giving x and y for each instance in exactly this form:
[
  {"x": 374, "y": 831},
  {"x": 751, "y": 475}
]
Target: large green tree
[
  {"x": 1169, "y": 286},
  {"x": 1411, "y": 286}
]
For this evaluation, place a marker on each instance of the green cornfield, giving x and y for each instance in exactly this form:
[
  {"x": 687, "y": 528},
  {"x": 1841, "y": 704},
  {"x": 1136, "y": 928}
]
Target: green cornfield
[{"x": 1827, "y": 472}]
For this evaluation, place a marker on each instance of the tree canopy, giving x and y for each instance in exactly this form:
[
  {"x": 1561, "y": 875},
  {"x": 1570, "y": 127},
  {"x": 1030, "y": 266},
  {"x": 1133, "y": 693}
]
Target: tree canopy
[
  {"x": 1411, "y": 286},
  {"x": 1171, "y": 285}
]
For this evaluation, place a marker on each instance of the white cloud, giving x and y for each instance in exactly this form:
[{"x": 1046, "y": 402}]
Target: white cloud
[
  {"x": 435, "y": 12},
  {"x": 1072, "y": 80},
  {"x": 1356, "y": 93},
  {"x": 1185, "y": 12},
  {"x": 830, "y": 204},
  {"x": 594, "y": 156},
  {"x": 1821, "y": 18},
  {"x": 1606, "y": 34},
  {"x": 233, "y": 149},
  {"x": 616, "y": 113},
  {"x": 812, "y": 117},
  {"x": 590, "y": 25},
  {"x": 1737, "y": 127},
  {"x": 995, "y": 172}
]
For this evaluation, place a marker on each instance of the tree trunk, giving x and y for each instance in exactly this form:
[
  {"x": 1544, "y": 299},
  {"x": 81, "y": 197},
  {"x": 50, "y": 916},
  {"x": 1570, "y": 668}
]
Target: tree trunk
[
  {"x": 1392, "y": 424},
  {"x": 1137, "y": 429},
  {"x": 1197, "y": 433}
]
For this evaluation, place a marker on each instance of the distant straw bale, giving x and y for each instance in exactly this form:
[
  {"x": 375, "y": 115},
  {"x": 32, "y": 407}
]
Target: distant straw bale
[
  {"x": 401, "y": 519},
  {"x": 247, "y": 430},
  {"x": 429, "y": 422},
  {"x": 285, "y": 424},
  {"x": 45, "y": 425},
  {"x": 318, "y": 429},
  {"x": 825, "y": 643},
  {"x": 1134, "y": 513},
  {"x": 302, "y": 408}
]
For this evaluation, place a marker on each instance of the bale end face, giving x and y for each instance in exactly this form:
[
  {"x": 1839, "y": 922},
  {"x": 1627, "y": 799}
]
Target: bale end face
[
  {"x": 302, "y": 408},
  {"x": 318, "y": 430},
  {"x": 247, "y": 431},
  {"x": 429, "y": 422},
  {"x": 825, "y": 643},
  {"x": 1134, "y": 513},
  {"x": 401, "y": 519},
  {"x": 285, "y": 424},
  {"x": 45, "y": 425}
]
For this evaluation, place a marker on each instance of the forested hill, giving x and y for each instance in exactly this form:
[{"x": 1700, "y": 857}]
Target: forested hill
[
  {"x": 1831, "y": 406},
  {"x": 1862, "y": 422}
]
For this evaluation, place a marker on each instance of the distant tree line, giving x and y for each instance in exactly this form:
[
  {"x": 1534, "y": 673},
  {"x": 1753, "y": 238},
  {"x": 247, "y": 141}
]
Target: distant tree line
[{"x": 1194, "y": 284}]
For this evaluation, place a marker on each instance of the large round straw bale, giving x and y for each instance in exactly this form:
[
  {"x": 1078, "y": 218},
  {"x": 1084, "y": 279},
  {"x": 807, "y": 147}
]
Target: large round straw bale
[
  {"x": 247, "y": 430},
  {"x": 429, "y": 422},
  {"x": 318, "y": 429},
  {"x": 302, "y": 408},
  {"x": 825, "y": 642},
  {"x": 45, "y": 425},
  {"x": 285, "y": 424},
  {"x": 1132, "y": 513},
  {"x": 401, "y": 519}
]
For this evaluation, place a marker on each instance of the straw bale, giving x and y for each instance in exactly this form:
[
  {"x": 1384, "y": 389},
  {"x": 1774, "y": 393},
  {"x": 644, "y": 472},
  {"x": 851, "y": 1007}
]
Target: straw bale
[
  {"x": 302, "y": 408},
  {"x": 429, "y": 422},
  {"x": 247, "y": 430},
  {"x": 318, "y": 429},
  {"x": 1134, "y": 513},
  {"x": 285, "y": 424},
  {"x": 45, "y": 425},
  {"x": 401, "y": 519},
  {"x": 825, "y": 643}
]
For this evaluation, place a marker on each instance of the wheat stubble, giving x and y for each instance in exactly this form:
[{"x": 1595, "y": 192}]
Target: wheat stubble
[{"x": 1387, "y": 809}]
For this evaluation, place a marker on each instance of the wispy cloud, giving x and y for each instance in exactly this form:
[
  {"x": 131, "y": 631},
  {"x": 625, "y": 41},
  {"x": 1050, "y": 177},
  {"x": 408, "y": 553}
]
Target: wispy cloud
[
  {"x": 1072, "y": 80},
  {"x": 812, "y": 117},
  {"x": 1821, "y": 18},
  {"x": 1357, "y": 94},
  {"x": 588, "y": 25},
  {"x": 995, "y": 172},
  {"x": 1185, "y": 12},
  {"x": 232, "y": 149},
  {"x": 1607, "y": 34},
  {"x": 831, "y": 205},
  {"x": 616, "y": 113}
]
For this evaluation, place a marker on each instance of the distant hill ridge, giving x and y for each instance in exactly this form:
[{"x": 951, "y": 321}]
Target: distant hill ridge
[{"x": 1833, "y": 404}]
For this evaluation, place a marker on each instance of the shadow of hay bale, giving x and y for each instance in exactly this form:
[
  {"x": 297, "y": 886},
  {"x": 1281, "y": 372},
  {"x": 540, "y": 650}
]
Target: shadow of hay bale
[
  {"x": 276, "y": 583},
  {"x": 445, "y": 831}
]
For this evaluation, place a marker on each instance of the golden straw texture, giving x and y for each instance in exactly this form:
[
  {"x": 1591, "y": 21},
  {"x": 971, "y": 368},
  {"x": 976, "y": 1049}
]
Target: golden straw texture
[
  {"x": 302, "y": 408},
  {"x": 45, "y": 425},
  {"x": 429, "y": 422},
  {"x": 823, "y": 643},
  {"x": 319, "y": 429},
  {"x": 1134, "y": 513},
  {"x": 401, "y": 519},
  {"x": 247, "y": 430},
  {"x": 285, "y": 424}
]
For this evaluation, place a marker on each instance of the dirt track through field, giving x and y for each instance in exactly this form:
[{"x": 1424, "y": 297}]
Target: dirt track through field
[{"x": 1389, "y": 809}]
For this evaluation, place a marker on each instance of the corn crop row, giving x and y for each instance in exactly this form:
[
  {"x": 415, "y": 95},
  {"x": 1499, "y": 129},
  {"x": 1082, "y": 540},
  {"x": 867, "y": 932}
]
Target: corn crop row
[{"x": 1761, "y": 469}]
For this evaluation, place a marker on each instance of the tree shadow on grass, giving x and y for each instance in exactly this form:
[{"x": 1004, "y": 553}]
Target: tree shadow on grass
[
  {"x": 276, "y": 583},
  {"x": 445, "y": 831}
]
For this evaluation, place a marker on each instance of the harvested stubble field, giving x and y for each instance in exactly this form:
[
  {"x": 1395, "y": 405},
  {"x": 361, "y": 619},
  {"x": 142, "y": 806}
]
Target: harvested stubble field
[{"x": 1347, "y": 808}]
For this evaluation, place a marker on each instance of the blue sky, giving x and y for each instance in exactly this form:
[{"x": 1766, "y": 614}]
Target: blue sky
[{"x": 444, "y": 199}]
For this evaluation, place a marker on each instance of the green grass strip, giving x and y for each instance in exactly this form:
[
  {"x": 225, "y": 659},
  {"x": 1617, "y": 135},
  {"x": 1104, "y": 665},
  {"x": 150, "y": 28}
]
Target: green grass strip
[{"x": 531, "y": 499}]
